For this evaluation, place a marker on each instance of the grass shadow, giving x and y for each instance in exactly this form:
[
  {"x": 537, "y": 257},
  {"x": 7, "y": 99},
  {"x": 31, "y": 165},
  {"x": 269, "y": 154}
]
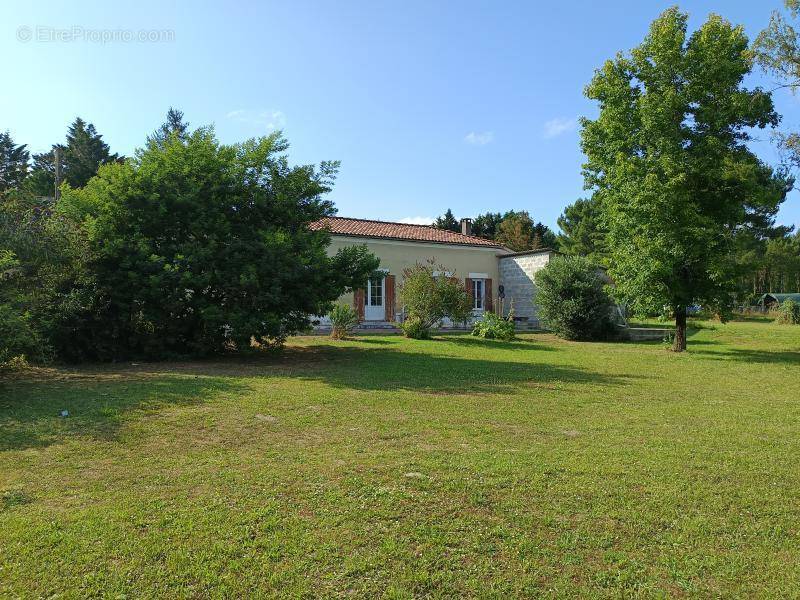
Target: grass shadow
[
  {"x": 476, "y": 342},
  {"x": 784, "y": 357},
  {"x": 379, "y": 369},
  {"x": 97, "y": 400}
]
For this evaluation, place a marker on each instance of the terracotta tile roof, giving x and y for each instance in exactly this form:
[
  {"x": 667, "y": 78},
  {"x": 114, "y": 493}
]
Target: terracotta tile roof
[{"x": 398, "y": 231}]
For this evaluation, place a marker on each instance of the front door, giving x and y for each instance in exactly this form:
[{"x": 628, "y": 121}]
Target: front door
[{"x": 374, "y": 299}]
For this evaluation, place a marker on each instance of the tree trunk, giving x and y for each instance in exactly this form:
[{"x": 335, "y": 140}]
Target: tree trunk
[{"x": 679, "y": 345}]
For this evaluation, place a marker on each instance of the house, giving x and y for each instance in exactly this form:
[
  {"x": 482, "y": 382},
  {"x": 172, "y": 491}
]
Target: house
[{"x": 494, "y": 276}]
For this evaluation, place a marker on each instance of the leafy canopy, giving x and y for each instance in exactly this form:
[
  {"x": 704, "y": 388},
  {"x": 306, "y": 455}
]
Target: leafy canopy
[{"x": 668, "y": 155}]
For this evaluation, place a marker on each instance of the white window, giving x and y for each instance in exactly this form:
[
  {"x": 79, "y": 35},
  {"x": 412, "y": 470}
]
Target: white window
[
  {"x": 375, "y": 296},
  {"x": 477, "y": 294}
]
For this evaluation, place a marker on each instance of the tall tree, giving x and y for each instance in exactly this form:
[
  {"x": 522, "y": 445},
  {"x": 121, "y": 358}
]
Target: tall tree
[
  {"x": 516, "y": 231},
  {"x": 543, "y": 237},
  {"x": 447, "y": 221},
  {"x": 174, "y": 125},
  {"x": 41, "y": 179},
  {"x": 84, "y": 152},
  {"x": 668, "y": 153},
  {"x": 485, "y": 225},
  {"x": 81, "y": 156},
  {"x": 13, "y": 163},
  {"x": 582, "y": 233}
]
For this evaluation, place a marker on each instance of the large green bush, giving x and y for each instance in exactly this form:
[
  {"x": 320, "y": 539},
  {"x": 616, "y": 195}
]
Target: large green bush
[
  {"x": 429, "y": 296},
  {"x": 789, "y": 312},
  {"x": 572, "y": 299},
  {"x": 200, "y": 248},
  {"x": 190, "y": 248}
]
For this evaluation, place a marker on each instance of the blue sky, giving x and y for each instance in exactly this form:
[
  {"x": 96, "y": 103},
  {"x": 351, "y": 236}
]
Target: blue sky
[{"x": 429, "y": 105}]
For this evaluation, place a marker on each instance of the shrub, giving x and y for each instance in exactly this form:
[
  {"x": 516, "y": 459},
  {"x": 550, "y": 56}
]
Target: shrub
[
  {"x": 18, "y": 338},
  {"x": 414, "y": 328},
  {"x": 494, "y": 327},
  {"x": 572, "y": 299},
  {"x": 429, "y": 298},
  {"x": 789, "y": 312},
  {"x": 343, "y": 320}
]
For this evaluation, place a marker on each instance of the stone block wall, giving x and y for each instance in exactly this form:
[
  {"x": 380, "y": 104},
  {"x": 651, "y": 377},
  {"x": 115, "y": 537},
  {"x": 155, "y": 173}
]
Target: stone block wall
[{"x": 516, "y": 276}]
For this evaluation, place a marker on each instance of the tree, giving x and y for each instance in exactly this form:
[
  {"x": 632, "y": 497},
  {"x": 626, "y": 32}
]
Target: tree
[
  {"x": 572, "y": 299},
  {"x": 515, "y": 231},
  {"x": 485, "y": 225},
  {"x": 84, "y": 152},
  {"x": 430, "y": 297},
  {"x": 543, "y": 237},
  {"x": 41, "y": 179},
  {"x": 201, "y": 248},
  {"x": 13, "y": 163},
  {"x": 518, "y": 232},
  {"x": 447, "y": 221},
  {"x": 582, "y": 233},
  {"x": 44, "y": 294},
  {"x": 174, "y": 125},
  {"x": 668, "y": 154},
  {"x": 81, "y": 156},
  {"x": 777, "y": 50}
]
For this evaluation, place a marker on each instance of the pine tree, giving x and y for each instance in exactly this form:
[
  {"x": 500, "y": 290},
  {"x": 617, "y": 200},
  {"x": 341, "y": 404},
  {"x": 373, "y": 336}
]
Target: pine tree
[
  {"x": 581, "y": 231},
  {"x": 447, "y": 221},
  {"x": 41, "y": 179},
  {"x": 81, "y": 156},
  {"x": 485, "y": 225},
  {"x": 13, "y": 163},
  {"x": 84, "y": 152},
  {"x": 174, "y": 125}
]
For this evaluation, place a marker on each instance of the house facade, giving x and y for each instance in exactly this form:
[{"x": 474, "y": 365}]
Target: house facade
[{"x": 494, "y": 276}]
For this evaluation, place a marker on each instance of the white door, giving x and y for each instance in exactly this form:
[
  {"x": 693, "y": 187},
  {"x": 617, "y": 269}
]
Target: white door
[{"x": 374, "y": 299}]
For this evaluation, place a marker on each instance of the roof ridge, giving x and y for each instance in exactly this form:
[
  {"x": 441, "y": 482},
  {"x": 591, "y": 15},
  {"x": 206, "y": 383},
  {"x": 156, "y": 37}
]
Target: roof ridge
[
  {"x": 476, "y": 237},
  {"x": 386, "y": 222}
]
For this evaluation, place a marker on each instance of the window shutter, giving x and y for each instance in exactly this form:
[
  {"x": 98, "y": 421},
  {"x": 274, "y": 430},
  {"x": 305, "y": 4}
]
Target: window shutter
[
  {"x": 358, "y": 303},
  {"x": 468, "y": 285},
  {"x": 389, "y": 300},
  {"x": 487, "y": 292}
]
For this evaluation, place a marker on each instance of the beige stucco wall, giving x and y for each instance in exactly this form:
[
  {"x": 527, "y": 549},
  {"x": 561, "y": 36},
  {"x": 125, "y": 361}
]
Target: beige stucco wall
[{"x": 396, "y": 255}]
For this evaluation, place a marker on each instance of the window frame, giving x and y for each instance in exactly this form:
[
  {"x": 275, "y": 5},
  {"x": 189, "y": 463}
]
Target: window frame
[{"x": 478, "y": 301}]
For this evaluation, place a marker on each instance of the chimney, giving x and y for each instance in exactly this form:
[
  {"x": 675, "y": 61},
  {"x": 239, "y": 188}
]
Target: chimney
[{"x": 466, "y": 226}]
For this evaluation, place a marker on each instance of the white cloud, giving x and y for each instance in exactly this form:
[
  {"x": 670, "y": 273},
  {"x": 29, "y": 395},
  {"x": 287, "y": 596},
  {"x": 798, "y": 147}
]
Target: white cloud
[
  {"x": 417, "y": 220},
  {"x": 559, "y": 125},
  {"x": 269, "y": 119},
  {"x": 479, "y": 138}
]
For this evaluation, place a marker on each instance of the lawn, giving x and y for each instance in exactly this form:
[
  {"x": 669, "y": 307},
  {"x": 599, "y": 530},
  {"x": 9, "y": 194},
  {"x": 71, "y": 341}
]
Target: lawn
[{"x": 385, "y": 466}]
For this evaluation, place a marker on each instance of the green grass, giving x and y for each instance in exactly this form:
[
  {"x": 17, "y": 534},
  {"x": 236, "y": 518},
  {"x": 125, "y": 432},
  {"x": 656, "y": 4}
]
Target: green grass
[{"x": 390, "y": 467}]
